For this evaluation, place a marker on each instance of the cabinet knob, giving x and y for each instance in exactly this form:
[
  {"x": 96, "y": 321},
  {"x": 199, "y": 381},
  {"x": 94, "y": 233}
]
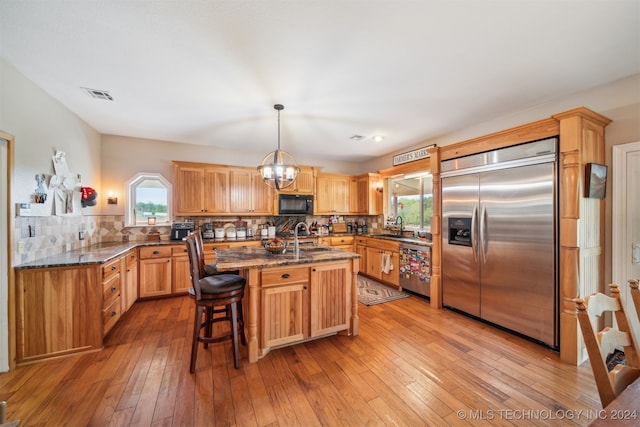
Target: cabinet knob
[
  {"x": 156, "y": 252},
  {"x": 113, "y": 313},
  {"x": 113, "y": 267},
  {"x": 113, "y": 289},
  {"x": 285, "y": 276}
]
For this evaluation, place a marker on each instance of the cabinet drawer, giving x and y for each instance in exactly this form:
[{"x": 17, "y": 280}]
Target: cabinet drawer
[
  {"x": 361, "y": 241},
  {"x": 179, "y": 251},
  {"x": 155, "y": 252},
  {"x": 384, "y": 245},
  {"x": 111, "y": 290},
  {"x": 111, "y": 268},
  {"x": 110, "y": 315},
  {"x": 131, "y": 257},
  {"x": 283, "y": 276},
  {"x": 341, "y": 240}
]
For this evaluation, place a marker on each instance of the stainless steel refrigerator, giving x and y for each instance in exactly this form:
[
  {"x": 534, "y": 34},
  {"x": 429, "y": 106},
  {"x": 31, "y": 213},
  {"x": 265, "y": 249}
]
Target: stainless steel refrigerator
[{"x": 499, "y": 238}]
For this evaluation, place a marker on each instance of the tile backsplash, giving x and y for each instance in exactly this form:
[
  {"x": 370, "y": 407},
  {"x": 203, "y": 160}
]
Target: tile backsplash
[{"x": 38, "y": 237}]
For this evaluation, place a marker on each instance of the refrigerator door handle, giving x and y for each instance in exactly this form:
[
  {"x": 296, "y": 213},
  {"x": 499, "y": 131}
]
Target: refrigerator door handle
[
  {"x": 474, "y": 234},
  {"x": 483, "y": 235}
]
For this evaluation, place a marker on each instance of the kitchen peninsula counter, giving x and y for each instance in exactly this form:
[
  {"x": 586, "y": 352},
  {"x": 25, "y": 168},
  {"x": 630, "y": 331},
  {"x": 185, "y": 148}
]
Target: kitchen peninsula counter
[{"x": 294, "y": 298}]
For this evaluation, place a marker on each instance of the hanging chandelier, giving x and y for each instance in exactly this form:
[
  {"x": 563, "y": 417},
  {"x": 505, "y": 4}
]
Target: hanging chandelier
[{"x": 278, "y": 168}]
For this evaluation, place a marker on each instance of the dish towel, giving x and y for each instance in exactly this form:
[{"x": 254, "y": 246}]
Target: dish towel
[{"x": 387, "y": 265}]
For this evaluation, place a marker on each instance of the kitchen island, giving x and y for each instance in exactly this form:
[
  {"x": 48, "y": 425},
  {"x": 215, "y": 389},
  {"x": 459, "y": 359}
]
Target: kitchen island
[{"x": 295, "y": 297}]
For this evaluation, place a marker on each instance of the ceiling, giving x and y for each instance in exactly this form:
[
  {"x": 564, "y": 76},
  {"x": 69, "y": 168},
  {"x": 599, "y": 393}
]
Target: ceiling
[{"x": 209, "y": 72}]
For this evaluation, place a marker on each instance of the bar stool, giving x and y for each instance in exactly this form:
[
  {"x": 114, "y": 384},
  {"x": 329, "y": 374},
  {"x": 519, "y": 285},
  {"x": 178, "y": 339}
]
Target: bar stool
[
  {"x": 208, "y": 269},
  {"x": 224, "y": 291}
]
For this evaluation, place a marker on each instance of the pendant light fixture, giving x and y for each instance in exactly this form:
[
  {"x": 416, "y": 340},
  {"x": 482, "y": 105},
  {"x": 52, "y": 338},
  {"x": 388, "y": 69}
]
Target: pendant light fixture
[{"x": 278, "y": 168}]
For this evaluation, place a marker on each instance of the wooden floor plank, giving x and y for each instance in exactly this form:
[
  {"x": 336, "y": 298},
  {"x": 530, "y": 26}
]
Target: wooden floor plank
[{"x": 411, "y": 365}]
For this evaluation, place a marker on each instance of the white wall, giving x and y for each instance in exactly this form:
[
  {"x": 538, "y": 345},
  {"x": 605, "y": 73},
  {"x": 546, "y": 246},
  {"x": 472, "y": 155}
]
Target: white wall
[{"x": 41, "y": 125}]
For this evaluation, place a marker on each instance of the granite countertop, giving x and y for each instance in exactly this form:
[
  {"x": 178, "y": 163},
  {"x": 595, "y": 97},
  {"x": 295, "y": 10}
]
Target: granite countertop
[
  {"x": 104, "y": 252},
  {"x": 241, "y": 258}
]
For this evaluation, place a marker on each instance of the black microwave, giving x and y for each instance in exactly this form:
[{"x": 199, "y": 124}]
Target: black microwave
[{"x": 295, "y": 204}]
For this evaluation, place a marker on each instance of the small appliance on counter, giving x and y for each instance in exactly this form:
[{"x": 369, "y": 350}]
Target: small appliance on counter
[
  {"x": 180, "y": 230},
  {"x": 207, "y": 231}
]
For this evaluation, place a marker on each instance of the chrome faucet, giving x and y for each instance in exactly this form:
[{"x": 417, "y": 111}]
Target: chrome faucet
[
  {"x": 399, "y": 222},
  {"x": 296, "y": 241}
]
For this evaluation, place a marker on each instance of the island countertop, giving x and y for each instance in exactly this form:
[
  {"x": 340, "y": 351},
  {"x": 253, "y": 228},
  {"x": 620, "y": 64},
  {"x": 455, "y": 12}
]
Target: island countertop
[{"x": 251, "y": 257}]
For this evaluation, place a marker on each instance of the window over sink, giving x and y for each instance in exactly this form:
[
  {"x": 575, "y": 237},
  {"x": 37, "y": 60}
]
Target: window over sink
[
  {"x": 411, "y": 197},
  {"x": 149, "y": 200}
]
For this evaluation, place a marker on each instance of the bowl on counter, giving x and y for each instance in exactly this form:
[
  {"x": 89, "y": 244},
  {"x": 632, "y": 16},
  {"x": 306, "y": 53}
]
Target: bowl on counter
[{"x": 275, "y": 246}]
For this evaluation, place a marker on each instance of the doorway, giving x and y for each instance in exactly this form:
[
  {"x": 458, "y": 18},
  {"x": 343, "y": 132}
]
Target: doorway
[
  {"x": 625, "y": 254},
  {"x": 6, "y": 273}
]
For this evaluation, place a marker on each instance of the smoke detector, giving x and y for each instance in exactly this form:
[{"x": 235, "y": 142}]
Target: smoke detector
[{"x": 98, "y": 94}]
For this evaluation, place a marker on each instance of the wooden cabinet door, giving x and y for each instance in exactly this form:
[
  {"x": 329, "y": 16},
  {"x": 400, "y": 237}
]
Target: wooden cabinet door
[
  {"x": 181, "y": 276},
  {"x": 249, "y": 194},
  {"x": 58, "y": 312},
  {"x": 282, "y": 314},
  {"x": 216, "y": 190},
  {"x": 189, "y": 190},
  {"x": 241, "y": 191},
  {"x": 374, "y": 263},
  {"x": 304, "y": 183},
  {"x": 130, "y": 280},
  {"x": 261, "y": 195},
  {"x": 341, "y": 194},
  {"x": 354, "y": 195},
  {"x": 330, "y": 301},
  {"x": 393, "y": 276},
  {"x": 332, "y": 194},
  {"x": 362, "y": 251},
  {"x": 155, "y": 277}
]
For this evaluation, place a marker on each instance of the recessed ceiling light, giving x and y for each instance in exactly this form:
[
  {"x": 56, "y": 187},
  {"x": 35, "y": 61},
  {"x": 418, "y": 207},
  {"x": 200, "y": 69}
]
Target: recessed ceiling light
[
  {"x": 377, "y": 138},
  {"x": 99, "y": 94}
]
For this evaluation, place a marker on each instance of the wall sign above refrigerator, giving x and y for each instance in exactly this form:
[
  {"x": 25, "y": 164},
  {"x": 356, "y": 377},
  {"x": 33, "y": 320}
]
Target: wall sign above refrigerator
[{"x": 412, "y": 156}]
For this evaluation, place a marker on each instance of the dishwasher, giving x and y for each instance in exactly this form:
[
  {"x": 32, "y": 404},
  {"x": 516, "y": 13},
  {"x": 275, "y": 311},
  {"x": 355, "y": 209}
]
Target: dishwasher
[{"x": 415, "y": 268}]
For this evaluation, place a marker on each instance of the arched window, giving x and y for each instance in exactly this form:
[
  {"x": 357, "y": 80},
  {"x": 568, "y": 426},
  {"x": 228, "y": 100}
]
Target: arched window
[{"x": 149, "y": 200}]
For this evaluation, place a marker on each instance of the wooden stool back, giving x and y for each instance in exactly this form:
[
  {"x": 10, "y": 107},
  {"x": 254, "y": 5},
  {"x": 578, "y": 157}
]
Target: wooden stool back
[{"x": 602, "y": 343}]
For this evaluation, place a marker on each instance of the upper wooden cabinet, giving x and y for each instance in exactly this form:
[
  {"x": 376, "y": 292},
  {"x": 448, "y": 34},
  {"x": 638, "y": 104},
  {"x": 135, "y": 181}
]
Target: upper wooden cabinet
[
  {"x": 304, "y": 183},
  {"x": 200, "y": 189},
  {"x": 249, "y": 194},
  {"x": 332, "y": 194},
  {"x": 369, "y": 194},
  {"x": 206, "y": 189}
]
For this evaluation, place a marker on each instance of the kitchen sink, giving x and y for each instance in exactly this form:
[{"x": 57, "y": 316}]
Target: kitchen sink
[{"x": 311, "y": 248}]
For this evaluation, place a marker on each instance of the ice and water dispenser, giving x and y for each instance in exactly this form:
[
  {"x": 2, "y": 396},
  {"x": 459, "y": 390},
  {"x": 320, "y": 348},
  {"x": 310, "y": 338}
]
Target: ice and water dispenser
[{"x": 460, "y": 231}]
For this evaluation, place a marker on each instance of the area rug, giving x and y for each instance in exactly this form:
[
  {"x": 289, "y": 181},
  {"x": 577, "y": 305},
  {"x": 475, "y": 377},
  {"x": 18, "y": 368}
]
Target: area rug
[{"x": 371, "y": 292}]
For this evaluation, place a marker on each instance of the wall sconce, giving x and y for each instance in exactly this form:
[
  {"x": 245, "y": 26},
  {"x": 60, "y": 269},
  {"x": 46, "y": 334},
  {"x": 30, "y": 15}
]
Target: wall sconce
[
  {"x": 111, "y": 199},
  {"x": 379, "y": 187},
  {"x": 151, "y": 220}
]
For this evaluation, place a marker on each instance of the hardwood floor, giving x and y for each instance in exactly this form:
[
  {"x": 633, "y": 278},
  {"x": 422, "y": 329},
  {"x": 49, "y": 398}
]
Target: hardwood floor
[{"x": 411, "y": 365}]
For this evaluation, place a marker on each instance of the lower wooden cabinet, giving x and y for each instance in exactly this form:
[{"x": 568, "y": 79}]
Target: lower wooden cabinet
[
  {"x": 180, "y": 270},
  {"x": 112, "y": 279},
  {"x": 375, "y": 252},
  {"x": 344, "y": 242},
  {"x": 58, "y": 312},
  {"x": 154, "y": 274},
  {"x": 302, "y": 302},
  {"x": 330, "y": 300},
  {"x": 130, "y": 276},
  {"x": 284, "y": 292}
]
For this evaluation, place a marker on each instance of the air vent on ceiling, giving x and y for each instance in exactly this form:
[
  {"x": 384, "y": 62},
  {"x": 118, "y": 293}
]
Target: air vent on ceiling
[
  {"x": 356, "y": 137},
  {"x": 99, "y": 94}
]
